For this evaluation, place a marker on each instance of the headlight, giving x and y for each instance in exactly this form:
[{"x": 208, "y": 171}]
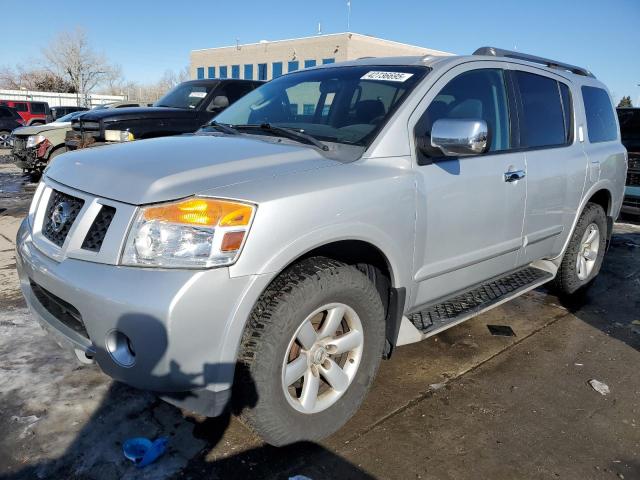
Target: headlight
[
  {"x": 33, "y": 140},
  {"x": 118, "y": 136},
  {"x": 193, "y": 233}
]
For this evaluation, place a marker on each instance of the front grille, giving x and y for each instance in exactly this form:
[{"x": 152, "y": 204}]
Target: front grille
[
  {"x": 634, "y": 163},
  {"x": 61, "y": 212},
  {"x": 61, "y": 310},
  {"x": 19, "y": 143},
  {"x": 633, "y": 179},
  {"x": 95, "y": 236}
]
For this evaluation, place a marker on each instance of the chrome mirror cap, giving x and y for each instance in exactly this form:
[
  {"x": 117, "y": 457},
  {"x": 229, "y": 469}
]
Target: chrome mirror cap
[{"x": 460, "y": 136}]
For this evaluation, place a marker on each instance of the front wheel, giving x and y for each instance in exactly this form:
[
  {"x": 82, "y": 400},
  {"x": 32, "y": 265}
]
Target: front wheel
[
  {"x": 4, "y": 139},
  {"x": 311, "y": 349},
  {"x": 585, "y": 252}
]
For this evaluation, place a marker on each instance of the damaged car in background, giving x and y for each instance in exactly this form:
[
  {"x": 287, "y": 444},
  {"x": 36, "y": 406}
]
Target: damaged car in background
[
  {"x": 183, "y": 109},
  {"x": 35, "y": 146}
]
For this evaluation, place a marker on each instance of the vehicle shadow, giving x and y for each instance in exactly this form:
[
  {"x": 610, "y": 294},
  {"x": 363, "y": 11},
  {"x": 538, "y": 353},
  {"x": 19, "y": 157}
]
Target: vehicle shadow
[
  {"x": 125, "y": 412},
  {"x": 612, "y": 302}
]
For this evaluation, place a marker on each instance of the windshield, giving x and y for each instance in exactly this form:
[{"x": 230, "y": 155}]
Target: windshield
[
  {"x": 341, "y": 104},
  {"x": 185, "y": 95},
  {"x": 70, "y": 116}
]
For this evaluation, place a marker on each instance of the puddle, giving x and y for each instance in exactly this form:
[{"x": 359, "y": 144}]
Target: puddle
[{"x": 16, "y": 189}]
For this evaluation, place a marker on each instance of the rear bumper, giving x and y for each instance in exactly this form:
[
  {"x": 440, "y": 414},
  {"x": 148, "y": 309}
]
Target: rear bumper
[{"x": 177, "y": 321}]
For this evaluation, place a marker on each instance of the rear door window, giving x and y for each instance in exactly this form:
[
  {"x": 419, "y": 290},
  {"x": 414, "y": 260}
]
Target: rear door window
[
  {"x": 601, "y": 122},
  {"x": 542, "y": 120}
]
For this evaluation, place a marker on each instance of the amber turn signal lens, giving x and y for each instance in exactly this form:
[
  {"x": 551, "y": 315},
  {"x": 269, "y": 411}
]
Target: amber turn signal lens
[
  {"x": 231, "y": 241},
  {"x": 202, "y": 211}
]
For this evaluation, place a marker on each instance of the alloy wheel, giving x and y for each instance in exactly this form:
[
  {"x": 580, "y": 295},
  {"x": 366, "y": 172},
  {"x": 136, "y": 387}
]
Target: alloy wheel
[
  {"x": 588, "y": 253},
  {"x": 322, "y": 358}
]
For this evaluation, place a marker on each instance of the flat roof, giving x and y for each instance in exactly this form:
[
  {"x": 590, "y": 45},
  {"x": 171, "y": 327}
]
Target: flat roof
[{"x": 324, "y": 35}]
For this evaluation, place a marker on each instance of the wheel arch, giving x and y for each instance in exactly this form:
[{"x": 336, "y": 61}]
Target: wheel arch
[
  {"x": 600, "y": 194},
  {"x": 360, "y": 253}
]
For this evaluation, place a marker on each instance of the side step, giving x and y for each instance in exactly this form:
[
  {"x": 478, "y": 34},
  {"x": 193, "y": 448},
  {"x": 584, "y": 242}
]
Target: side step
[{"x": 450, "y": 311}]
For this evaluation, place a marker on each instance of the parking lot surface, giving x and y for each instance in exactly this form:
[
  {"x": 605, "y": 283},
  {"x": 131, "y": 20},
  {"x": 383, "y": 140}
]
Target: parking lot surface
[{"x": 464, "y": 404}]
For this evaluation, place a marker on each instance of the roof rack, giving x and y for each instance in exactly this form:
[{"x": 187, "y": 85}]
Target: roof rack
[{"x": 499, "y": 52}]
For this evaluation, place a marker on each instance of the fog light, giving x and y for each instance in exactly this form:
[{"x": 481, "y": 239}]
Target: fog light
[{"x": 120, "y": 348}]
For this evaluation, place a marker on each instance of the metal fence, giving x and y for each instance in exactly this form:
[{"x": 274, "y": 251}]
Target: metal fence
[{"x": 55, "y": 99}]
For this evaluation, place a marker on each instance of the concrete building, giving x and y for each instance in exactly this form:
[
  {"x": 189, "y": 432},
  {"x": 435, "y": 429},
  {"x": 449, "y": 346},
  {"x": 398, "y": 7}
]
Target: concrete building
[{"x": 269, "y": 59}]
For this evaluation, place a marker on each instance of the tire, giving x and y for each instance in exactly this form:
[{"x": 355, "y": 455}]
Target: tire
[
  {"x": 270, "y": 345},
  {"x": 570, "y": 279},
  {"x": 4, "y": 138}
]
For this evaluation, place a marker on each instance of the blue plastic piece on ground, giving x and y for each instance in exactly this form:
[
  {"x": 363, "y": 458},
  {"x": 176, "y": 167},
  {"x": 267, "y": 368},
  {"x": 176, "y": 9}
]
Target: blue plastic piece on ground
[{"x": 143, "y": 451}]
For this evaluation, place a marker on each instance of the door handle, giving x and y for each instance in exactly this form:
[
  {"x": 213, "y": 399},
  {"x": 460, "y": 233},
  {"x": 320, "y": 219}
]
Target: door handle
[{"x": 514, "y": 176}]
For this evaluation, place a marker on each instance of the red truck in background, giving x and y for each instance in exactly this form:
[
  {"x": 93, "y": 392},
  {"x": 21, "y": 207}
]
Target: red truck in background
[{"x": 33, "y": 113}]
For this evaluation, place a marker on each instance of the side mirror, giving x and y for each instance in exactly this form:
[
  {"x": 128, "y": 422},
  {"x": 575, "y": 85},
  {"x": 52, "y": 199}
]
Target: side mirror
[
  {"x": 459, "y": 137},
  {"x": 219, "y": 102}
]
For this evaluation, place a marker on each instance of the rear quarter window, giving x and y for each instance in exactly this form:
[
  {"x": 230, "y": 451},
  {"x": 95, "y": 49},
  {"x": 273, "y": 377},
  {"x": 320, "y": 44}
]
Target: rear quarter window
[
  {"x": 37, "y": 108},
  {"x": 601, "y": 121}
]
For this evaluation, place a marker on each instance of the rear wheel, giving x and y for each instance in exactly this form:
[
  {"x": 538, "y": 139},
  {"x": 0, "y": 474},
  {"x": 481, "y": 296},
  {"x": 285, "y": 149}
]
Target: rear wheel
[
  {"x": 311, "y": 350},
  {"x": 585, "y": 252}
]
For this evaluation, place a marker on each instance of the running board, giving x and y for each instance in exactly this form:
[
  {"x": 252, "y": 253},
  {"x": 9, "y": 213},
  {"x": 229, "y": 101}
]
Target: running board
[{"x": 446, "y": 313}]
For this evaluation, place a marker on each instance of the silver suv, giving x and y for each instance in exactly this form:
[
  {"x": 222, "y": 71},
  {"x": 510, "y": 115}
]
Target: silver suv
[{"x": 319, "y": 222}]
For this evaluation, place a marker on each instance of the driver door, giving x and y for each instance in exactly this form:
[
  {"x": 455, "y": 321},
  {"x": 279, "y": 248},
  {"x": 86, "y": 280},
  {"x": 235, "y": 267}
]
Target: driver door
[{"x": 470, "y": 209}]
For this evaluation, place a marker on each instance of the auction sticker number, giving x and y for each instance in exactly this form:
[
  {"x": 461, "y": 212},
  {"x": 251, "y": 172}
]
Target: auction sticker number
[{"x": 387, "y": 76}]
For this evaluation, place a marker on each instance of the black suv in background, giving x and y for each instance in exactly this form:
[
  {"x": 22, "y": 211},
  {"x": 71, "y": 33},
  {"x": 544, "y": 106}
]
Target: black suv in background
[
  {"x": 58, "y": 112},
  {"x": 184, "y": 109},
  {"x": 629, "y": 119},
  {"x": 9, "y": 120}
]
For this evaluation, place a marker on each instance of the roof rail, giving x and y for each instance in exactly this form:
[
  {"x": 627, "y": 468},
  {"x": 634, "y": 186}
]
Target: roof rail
[{"x": 499, "y": 52}]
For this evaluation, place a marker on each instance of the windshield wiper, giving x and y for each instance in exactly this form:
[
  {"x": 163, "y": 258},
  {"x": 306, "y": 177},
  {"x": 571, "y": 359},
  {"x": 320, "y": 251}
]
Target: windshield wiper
[
  {"x": 223, "y": 127},
  {"x": 289, "y": 133}
]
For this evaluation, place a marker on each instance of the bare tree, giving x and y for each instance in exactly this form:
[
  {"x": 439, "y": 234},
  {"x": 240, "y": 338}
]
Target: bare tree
[
  {"x": 71, "y": 57},
  {"x": 20, "y": 78}
]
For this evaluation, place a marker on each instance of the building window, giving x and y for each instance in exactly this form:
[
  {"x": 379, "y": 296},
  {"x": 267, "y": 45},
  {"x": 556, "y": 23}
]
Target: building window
[
  {"x": 328, "y": 60},
  {"x": 276, "y": 69},
  {"x": 309, "y": 63},
  {"x": 308, "y": 109},
  {"x": 223, "y": 72},
  {"x": 248, "y": 72},
  {"x": 293, "y": 66},
  {"x": 235, "y": 71},
  {"x": 262, "y": 71},
  {"x": 212, "y": 72},
  {"x": 200, "y": 73}
]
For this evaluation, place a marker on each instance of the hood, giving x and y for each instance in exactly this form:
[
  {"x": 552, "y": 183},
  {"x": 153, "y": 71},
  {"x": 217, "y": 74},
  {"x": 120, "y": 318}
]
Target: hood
[
  {"x": 133, "y": 113},
  {"x": 36, "y": 129},
  {"x": 161, "y": 169}
]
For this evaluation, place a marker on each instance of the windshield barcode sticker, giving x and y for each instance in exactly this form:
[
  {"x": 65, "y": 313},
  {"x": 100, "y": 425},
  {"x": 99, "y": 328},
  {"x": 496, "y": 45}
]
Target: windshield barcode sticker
[{"x": 387, "y": 76}]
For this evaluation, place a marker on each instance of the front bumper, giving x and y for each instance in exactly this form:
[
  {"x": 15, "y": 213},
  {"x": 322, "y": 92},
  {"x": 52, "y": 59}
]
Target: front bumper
[
  {"x": 25, "y": 158},
  {"x": 177, "y": 321}
]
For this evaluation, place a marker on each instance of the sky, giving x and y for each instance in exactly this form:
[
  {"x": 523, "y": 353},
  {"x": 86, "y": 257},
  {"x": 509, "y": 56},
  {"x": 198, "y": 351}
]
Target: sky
[{"x": 148, "y": 37}]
